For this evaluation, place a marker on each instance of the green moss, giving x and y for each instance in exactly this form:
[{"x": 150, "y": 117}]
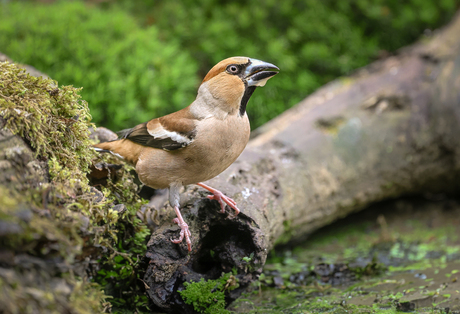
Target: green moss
[
  {"x": 208, "y": 296},
  {"x": 374, "y": 268},
  {"x": 65, "y": 295},
  {"x": 43, "y": 243},
  {"x": 55, "y": 121},
  {"x": 63, "y": 220}
]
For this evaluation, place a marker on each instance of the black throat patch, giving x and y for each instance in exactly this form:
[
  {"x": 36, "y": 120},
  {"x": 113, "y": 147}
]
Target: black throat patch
[{"x": 244, "y": 101}]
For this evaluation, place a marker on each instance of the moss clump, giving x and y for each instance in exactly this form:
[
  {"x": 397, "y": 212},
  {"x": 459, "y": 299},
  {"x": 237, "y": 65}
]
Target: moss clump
[
  {"x": 38, "y": 278},
  {"x": 56, "y": 228},
  {"x": 54, "y": 121},
  {"x": 65, "y": 295},
  {"x": 208, "y": 296}
]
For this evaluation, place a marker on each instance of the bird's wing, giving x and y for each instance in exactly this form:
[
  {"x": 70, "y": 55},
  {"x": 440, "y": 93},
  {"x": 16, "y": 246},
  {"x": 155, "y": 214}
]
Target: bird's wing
[{"x": 170, "y": 132}]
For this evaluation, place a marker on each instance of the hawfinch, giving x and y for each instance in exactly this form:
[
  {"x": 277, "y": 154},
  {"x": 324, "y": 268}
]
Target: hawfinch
[{"x": 196, "y": 143}]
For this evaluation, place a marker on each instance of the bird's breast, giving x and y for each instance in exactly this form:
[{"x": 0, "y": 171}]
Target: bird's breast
[{"x": 221, "y": 143}]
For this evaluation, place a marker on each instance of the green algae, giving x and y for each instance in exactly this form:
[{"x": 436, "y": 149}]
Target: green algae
[{"x": 406, "y": 260}]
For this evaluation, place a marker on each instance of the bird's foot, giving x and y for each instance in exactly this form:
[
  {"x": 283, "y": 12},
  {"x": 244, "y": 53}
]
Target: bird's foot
[
  {"x": 184, "y": 231},
  {"x": 221, "y": 198}
]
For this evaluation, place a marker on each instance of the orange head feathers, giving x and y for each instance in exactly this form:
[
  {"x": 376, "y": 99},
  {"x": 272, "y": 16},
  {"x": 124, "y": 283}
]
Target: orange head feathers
[{"x": 233, "y": 80}]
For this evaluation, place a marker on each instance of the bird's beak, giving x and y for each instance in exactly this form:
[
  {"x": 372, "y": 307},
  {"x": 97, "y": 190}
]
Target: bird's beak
[{"x": 258, "y": 72}]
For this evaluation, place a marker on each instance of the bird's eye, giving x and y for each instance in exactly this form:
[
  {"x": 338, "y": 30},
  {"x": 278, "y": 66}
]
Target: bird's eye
[{"x": 233, "y": 69}]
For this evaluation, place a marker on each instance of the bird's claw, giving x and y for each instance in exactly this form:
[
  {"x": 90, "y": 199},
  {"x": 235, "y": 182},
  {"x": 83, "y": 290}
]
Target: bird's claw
[
  {"x": 184, "y": 232},
  {"x": 221, "y": 198}
]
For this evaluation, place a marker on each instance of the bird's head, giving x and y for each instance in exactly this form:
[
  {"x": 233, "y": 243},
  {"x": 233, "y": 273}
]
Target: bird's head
[{"x": 232, "y": 81}]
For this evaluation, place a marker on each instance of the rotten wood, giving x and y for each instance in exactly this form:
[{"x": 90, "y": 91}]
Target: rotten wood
[{"x": 391, "y": 129}]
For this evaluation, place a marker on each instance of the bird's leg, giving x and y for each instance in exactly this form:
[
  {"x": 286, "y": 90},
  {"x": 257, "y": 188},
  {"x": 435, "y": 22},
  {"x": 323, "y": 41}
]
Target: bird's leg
[
  {"x": 220, "y": 197},
  {"x": 184, "y": 231}
]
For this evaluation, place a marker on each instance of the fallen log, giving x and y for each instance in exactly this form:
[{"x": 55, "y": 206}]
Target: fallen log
[{"x": 391, "y": 129}]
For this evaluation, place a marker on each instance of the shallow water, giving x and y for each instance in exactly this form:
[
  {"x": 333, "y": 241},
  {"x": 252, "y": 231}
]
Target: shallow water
[{"x": 396, "y": 256}]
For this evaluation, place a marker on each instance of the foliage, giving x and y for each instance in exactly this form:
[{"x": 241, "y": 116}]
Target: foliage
[
  {"x": 208, "y": 296},
  {"x": 311, "y": 41},
  {"x": 63, "y": 220},
  {"x": 121, "y": 65},
  {"x": 128, "y": 74}
]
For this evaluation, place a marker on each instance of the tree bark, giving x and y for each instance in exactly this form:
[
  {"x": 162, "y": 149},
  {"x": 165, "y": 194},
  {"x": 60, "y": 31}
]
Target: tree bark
[{"x": 391, "y": 129}]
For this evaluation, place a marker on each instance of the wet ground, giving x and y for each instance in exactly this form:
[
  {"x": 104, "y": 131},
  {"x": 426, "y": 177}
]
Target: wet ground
[{"x": 398, "y": 256}]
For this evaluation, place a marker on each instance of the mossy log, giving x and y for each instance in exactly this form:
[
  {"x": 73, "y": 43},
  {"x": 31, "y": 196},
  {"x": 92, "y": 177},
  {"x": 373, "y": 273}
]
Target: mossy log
[
  {"x": 42, "y": 264},
  {"x": 391, "y": 129}
]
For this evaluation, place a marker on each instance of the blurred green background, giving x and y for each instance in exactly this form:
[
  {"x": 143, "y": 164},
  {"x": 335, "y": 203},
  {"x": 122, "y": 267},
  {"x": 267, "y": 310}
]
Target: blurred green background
[{"x": 141, "y": 59}]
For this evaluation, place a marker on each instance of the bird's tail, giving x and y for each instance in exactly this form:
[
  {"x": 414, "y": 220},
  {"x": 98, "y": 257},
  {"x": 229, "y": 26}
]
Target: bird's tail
[{"x": 124, "y": 149}]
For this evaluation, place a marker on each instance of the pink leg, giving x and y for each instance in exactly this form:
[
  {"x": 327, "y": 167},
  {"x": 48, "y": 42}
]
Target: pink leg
[
  {"x": 220, "y": 197},
  {"x": 184, "y": 232}
]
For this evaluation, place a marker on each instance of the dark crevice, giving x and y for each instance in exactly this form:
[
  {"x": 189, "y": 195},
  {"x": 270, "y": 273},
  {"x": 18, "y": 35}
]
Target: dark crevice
[
  {"x": 221, "y": 243},
  {"x": 220, "y": 248}
]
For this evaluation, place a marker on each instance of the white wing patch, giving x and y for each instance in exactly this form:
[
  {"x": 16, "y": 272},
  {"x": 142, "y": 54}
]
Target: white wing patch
[{"x": 161, "y": 133}]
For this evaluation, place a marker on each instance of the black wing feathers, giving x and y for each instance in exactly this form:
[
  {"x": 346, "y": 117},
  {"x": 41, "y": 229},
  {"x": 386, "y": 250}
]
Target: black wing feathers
[{"x": 140, "y": 135}]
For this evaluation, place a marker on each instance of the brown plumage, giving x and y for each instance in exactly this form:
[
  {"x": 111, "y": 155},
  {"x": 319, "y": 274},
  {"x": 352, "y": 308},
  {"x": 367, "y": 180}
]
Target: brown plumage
[{"x": 200, "y": 141}]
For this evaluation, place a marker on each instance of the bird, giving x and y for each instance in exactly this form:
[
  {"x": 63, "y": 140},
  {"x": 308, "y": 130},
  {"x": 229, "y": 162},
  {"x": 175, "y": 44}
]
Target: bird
[{"x": 198, "y": 142}]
